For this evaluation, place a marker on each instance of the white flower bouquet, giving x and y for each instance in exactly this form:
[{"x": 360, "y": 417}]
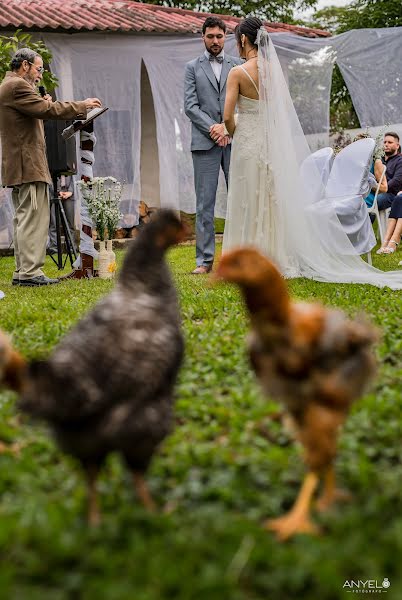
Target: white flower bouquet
[{"x": 102, "y": 195}]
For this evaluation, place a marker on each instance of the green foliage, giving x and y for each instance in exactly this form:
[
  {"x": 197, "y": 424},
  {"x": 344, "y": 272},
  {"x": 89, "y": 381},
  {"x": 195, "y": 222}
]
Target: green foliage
[
  {"x": 365, "y": 14},
  {"x": 342, "y": 113},
  {"x": 327, "y": 18},
  {"x": 271, "y": 10},
  {"x": 10, "y": 44},
  {"x": 360, "y": 14},
  {"x": 226, "y": 467}
]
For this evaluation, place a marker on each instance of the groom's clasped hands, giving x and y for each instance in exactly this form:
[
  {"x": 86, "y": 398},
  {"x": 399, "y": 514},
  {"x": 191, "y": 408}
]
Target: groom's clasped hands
[{"x": 217, "y": 133}]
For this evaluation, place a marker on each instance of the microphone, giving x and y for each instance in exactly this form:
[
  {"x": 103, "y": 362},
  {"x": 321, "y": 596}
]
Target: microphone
[{"x": 42, "y": 91}]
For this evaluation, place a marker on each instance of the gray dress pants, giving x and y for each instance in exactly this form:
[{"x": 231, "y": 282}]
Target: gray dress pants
[{"x": 207, "y": 164}]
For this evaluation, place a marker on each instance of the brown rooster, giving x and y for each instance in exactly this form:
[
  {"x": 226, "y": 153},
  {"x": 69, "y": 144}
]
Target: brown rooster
[
  {"x": 313, "y": 359},
  {"x": 108, "y": 385}
]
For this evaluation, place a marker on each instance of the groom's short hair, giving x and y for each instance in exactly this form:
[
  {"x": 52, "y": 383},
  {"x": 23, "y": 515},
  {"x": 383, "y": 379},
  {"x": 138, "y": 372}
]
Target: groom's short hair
[{"x": 214, "y": 22}]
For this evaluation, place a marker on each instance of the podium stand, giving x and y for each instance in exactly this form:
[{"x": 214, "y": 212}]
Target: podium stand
[{"x": 87, "y": 262}]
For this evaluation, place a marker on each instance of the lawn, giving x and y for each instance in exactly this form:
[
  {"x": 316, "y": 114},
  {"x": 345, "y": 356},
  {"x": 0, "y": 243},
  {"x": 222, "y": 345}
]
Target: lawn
[{"x": 226, "y": 467}]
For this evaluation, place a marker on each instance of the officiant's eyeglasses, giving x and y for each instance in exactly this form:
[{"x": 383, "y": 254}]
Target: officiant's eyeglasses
[{"x": 39, "y": 69}]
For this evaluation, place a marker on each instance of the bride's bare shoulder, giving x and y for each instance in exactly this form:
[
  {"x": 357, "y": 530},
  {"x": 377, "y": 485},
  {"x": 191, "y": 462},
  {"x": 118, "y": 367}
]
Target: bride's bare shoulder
[{"x": 234, "y": 74}]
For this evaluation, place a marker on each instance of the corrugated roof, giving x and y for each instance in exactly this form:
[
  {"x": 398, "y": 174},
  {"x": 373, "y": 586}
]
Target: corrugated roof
[{"x": 116, "y": 15}]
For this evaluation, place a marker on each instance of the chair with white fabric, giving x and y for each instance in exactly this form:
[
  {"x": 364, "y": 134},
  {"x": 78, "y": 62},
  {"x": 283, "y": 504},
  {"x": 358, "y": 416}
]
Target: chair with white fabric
[
  {"x": 381, "y": 215},
  {"x": 319, "y": 161},
  {"x": 347, "y": 186}
]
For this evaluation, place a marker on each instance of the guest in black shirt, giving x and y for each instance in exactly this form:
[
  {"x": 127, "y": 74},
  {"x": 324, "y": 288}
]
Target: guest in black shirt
[{"x": 393, "y": 162}]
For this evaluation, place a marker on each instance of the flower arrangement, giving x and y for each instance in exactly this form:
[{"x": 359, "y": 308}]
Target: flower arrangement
[
  {"x": 379, "y": 152},
  {"x": 102, "y": 195},
  {"x": 379, "y": 144},
  {"x": 343, "y": 139}
]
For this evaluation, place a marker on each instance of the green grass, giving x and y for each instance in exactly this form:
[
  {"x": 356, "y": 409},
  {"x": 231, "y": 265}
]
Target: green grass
[{"x": 225, "y": 468}]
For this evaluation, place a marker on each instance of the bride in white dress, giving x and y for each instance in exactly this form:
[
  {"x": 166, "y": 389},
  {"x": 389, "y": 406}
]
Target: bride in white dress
[{"x": 269, "y": 204}]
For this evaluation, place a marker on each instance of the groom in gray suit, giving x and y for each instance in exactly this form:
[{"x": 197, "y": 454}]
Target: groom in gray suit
[{"x": 204, "y": 100}]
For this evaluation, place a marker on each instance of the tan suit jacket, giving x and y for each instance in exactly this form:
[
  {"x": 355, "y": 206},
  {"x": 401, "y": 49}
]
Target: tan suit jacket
[{"x": 23, "y": 146}]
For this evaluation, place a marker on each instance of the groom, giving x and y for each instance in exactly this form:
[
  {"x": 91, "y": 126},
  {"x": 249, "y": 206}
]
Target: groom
[{"x": 204, "y": 100}]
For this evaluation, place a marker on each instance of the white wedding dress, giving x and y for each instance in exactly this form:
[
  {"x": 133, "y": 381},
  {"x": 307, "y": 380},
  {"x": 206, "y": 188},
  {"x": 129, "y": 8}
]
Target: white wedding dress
[
  {"x": 252, "y": 215},
  {"x": 270, "y": 205}
]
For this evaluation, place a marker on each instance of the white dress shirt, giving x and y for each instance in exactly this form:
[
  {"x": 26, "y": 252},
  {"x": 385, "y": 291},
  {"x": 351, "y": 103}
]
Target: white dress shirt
[{"x": 216, "y": 67}]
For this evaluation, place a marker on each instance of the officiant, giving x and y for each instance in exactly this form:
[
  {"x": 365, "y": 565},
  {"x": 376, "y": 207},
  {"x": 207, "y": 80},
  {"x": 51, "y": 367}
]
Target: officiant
[
  {"x": 24, "y": 162},
  {"x": 204, "y": 100}
]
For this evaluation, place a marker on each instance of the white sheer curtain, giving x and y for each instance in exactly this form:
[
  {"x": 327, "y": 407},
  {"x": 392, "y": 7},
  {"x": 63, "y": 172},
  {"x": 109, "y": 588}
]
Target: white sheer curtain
[{"x": 108, "y": 66}]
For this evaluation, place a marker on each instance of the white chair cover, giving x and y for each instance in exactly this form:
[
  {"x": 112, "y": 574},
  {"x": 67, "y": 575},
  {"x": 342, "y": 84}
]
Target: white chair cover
[
  {"x": 347, "y": 185},
  {"x": 321, "y": 161}
]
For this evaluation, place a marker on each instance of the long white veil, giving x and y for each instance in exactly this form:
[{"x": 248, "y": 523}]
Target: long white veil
[{"x": 305, "y": 236}]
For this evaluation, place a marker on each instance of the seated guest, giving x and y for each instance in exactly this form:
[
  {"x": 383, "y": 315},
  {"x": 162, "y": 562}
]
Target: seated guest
[
  {"x": 393, "y": 162},
  {"x": 394, "y": 228}
]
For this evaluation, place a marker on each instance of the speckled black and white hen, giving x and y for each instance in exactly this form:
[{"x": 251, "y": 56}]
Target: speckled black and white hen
[{"x": 108, "y": 385}]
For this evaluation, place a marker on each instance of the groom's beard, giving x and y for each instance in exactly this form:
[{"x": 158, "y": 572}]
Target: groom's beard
[{"x": 215, "y": 50}]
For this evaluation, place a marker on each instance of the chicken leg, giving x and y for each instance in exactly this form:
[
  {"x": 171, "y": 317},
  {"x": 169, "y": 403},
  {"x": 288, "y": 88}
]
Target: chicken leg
[
  {"x": 331, "y": 493},
  {"x": 143, "y": 492},
  {"x": 297, "y": 520},
  {"x": 94, "y": 515}
]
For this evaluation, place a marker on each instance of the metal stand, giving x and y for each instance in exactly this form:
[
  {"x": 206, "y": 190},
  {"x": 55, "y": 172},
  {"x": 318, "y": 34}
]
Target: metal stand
[{"x": 61, "y": 219}]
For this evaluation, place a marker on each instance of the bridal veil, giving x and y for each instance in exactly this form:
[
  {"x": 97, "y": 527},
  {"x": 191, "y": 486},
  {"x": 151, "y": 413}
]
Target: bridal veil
[{"x": 305, "y": 236}]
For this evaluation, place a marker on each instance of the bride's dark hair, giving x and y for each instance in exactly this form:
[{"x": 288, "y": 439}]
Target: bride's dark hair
[{"x": 248, "y": 27}]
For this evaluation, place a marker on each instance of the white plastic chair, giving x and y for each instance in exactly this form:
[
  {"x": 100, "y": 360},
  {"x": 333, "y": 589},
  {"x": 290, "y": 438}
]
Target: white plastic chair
[
  {"x": 347, "y": 186},
  {"x": 381, "y": 215}
]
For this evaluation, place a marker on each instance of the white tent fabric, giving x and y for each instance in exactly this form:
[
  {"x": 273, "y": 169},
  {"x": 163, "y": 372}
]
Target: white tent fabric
[
  {"x": 108, "y": 65},
  {"x": 370, "y": 63}
]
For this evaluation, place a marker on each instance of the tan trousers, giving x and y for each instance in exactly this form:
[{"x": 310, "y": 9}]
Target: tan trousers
[{"x": 31, "y": 224}]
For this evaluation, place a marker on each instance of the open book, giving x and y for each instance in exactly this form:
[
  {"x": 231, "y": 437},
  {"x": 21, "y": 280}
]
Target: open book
[{"x": 78, "y": 125}]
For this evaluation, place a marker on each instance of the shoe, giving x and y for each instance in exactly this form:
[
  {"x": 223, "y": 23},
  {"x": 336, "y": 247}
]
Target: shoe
[
  {"x": 202, "y": 270},
  {"x": 391, "y": 249},
  {"x": 383, "y": 247},
  {"x": 15, "y": 281},
  {"x": 39, "y": 280}
]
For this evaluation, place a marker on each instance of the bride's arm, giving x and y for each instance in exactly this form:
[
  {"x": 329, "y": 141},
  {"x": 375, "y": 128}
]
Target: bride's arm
[{"x": 232, "y": 94}]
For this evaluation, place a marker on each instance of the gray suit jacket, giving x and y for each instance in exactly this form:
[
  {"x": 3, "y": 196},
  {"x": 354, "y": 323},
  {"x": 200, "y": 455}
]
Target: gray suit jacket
[{"x": 204, "y": 99}]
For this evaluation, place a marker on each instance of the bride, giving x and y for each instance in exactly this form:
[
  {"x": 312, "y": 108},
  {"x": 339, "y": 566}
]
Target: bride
[{"x": 270, "y": 205}]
